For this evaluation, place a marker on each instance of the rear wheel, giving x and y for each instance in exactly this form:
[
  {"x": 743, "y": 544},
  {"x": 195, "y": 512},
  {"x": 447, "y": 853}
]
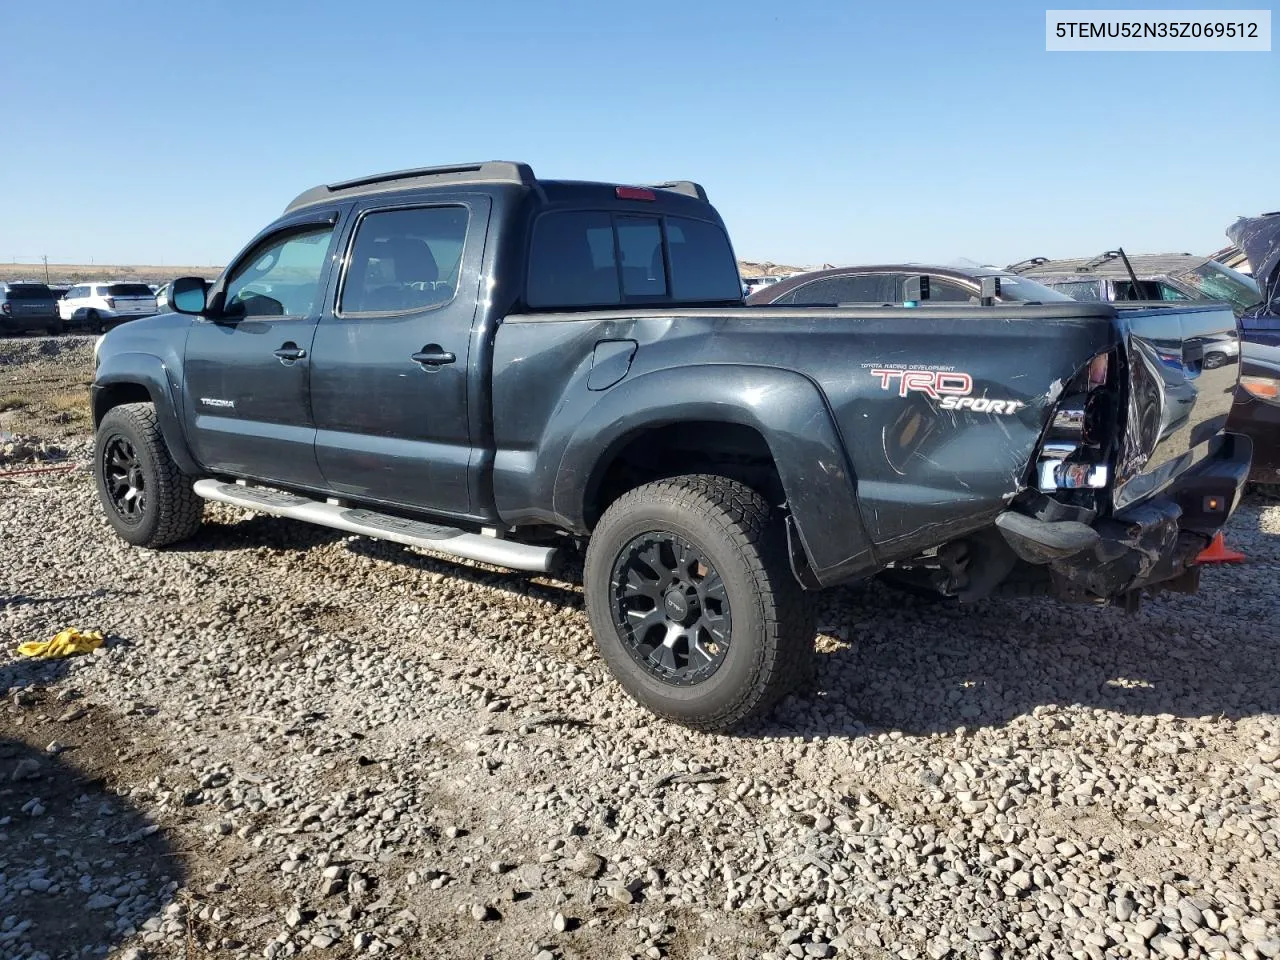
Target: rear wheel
[
  {"x": 56, "y": 329},
  {"x": 693, "y": 604},
  {"x": 147, "y": 499},
  {"x": 93, "y": 321}
]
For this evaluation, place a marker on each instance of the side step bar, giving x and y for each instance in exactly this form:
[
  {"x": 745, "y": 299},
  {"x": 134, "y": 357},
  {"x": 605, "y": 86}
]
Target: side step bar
[{"x": 382, "y": 526}]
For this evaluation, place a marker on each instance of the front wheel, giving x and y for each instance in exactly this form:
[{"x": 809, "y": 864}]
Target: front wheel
[
  {"x": 147, "y": 499},
  {"x": 693, "y": 604}
]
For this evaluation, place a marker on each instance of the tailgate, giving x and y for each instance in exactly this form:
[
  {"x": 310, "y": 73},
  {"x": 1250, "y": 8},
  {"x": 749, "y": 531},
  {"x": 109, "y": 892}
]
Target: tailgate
[
  {"x": 34, "y": 308},
  {"x": 1183, "y": 363},
  {"x": 131, "y": 306}
]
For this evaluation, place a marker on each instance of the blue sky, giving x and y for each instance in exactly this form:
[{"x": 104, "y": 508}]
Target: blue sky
[{"x": 843, "y": 132}]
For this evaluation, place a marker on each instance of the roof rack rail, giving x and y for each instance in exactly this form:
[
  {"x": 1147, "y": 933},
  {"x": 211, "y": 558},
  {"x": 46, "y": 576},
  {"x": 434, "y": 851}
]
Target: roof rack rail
[
  {"x": 686, "y": 187},
  {"x": 492, "y": 171},
  {"x": 1026, "y": 264},
  {"x": 1099, "y": 260}
]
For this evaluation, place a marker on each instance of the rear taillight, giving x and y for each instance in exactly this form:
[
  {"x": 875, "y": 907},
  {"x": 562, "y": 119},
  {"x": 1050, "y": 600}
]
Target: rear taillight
[
  {"x": 635, "y": 193},
  {"x": 111, "y": 303},
  {"x": 1077, "y": 448}
]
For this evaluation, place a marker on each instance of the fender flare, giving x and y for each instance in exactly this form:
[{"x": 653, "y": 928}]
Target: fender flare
[
  {"x": 149, "y": 372},
  {"x": 786, "y": 408}
]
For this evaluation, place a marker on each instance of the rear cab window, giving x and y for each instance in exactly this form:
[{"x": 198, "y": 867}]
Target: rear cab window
[
  {"x": 129, "y": 290},
  {"x": 29, "y": 291},
  {"x": 581, "y": 259}
]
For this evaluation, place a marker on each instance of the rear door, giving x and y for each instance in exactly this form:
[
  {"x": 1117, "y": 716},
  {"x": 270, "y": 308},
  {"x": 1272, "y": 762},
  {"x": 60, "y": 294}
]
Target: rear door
[
  {"x": 390, "y": 378},
  {"x": 248, "y": 371}
]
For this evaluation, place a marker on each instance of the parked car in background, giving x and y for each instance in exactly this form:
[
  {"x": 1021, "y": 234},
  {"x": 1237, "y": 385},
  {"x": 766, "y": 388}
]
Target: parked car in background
[
  {"x": 888, "y": 283},
  {"x": 1166, "y": 277},
  {"x": 28, "y": 306},
  {"x": 751, "y": 284},
  {"x": 99, "y": 306},
  {"x": 59, "y": 290},
  {"x": 1256, "y": 412},
  {"x": 162, "y": 297}
]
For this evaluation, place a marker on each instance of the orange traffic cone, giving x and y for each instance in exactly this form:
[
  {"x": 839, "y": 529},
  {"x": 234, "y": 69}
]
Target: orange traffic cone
[{"x": 1219, "y": 552}]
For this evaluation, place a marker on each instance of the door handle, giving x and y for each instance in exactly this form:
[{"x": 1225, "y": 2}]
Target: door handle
[
  {"x": 290, "y": 352},
  {"x": 433, "y": 355}
]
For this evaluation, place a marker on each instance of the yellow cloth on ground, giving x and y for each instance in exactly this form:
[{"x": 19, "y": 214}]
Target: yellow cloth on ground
[{"x": 68, "y": 642}]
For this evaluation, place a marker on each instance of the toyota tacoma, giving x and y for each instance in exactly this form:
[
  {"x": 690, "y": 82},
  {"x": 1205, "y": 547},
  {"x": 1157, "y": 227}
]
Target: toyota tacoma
[{"x": 507, "y": 369}]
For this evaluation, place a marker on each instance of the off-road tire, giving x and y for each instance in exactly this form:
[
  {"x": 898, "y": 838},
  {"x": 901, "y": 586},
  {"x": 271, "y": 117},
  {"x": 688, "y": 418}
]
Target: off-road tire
[
  {"x": 173, "y": 511},
  {"x": 773, "y": 626}
]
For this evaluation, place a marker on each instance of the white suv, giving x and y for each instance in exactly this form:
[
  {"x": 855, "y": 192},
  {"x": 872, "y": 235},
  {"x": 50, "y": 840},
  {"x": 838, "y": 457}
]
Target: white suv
[{"x": 98, "y": 306}]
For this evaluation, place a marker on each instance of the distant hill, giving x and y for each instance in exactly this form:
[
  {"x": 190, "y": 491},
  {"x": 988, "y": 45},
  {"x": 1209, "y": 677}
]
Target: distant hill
[
  {"x": 765, "y": 268},
  {"x": 81, "y": 272}
]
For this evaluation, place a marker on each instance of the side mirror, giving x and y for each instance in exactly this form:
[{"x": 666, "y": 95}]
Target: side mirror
[{"x": 189, "y": 295}]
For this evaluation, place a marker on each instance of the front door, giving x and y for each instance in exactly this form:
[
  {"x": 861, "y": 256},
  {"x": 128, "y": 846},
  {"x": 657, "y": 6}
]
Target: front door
[
  {"x": 248, "y": 368},
  {"x": 390, "y": 377}
]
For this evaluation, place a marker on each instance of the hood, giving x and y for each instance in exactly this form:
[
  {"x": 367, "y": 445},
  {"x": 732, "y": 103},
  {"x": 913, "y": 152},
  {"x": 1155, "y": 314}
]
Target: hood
[{"x": 1259, "y": 238}]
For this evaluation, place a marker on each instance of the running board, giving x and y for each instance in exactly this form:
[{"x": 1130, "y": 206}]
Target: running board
[{"x": 382, "y": 526}]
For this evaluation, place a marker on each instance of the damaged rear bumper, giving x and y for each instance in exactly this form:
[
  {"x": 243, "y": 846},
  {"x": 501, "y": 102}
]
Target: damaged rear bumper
[{"x": 1153, "y": 544}]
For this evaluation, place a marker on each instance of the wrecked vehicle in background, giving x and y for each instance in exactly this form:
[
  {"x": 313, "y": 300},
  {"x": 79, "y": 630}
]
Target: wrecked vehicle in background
[
  {"x": 1114, "y": 277},
  {"x": 502, "y": 368},
  {"x": 1257, "y": 408}
]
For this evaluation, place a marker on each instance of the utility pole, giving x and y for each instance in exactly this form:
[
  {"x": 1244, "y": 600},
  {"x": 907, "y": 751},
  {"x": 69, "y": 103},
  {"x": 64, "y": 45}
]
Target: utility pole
[{"x": 45, "y": 258}]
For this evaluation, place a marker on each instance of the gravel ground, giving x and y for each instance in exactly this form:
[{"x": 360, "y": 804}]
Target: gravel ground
[{"x": 297, "y": 742}]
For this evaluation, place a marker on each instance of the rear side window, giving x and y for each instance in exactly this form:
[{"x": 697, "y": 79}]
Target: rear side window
[
  {"x": 830, "y": 291},
  {"x": 129, "y": 290},
  {"x": 405, "y": 260},
  {"x": 590, "y": 258},
  {"x": 29, "y": 291}
]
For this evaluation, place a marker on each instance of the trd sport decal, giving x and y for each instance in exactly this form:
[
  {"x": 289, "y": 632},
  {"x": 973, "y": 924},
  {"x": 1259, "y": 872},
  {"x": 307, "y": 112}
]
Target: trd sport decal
[{"x": 949, "y": 387}]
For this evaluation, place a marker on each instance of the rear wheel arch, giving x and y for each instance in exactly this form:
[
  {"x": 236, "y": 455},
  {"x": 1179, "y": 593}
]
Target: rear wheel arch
[
  {"x": 727, "y": 448},
  {"x": 783, "y": 411}
]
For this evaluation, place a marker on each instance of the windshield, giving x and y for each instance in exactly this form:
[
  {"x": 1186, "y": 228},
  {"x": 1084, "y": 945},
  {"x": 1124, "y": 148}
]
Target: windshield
[
  {"x": 1213, "y": 281},
  {"x": 1021, "y": 290}
]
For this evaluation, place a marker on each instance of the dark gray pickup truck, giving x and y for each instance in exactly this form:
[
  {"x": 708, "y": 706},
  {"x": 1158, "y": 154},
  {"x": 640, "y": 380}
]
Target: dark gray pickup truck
[{"x": 491, "y": 366}]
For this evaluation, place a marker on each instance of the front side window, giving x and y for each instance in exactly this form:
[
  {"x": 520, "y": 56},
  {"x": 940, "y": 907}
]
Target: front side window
[
  {"x": 1083, "y": 290},
  {"x": 405, "y": 260},
  {"x": 281, "y": 277}
]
